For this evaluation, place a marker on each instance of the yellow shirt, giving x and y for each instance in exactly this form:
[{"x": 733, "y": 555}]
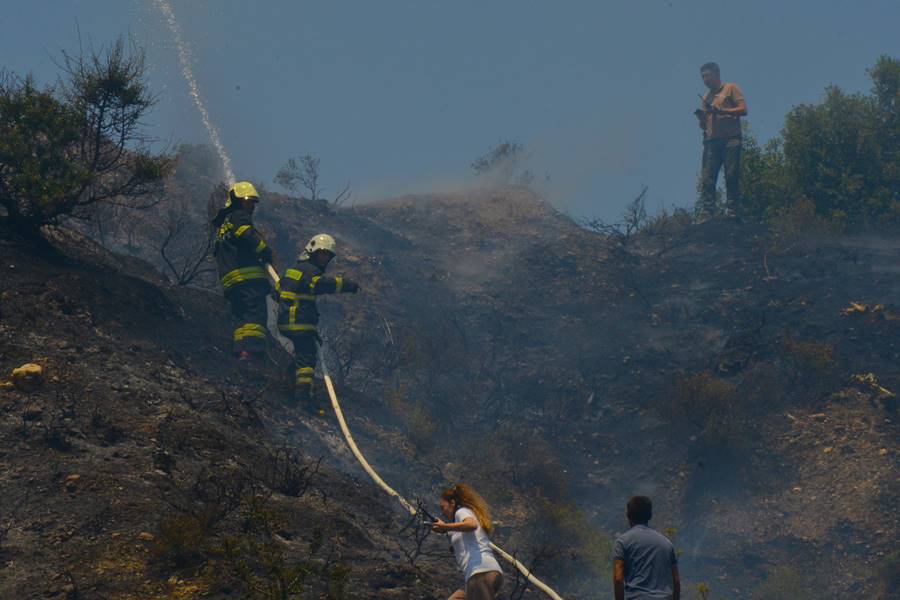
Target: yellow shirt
[{"x": 723, "y": 126}]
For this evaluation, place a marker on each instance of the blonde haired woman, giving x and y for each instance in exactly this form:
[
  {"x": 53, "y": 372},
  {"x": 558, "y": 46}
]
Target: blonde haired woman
[{"x": 469, "y": 525}]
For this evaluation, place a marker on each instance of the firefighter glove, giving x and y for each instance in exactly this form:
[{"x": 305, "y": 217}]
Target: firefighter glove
[{"x": 265, "y": 255}]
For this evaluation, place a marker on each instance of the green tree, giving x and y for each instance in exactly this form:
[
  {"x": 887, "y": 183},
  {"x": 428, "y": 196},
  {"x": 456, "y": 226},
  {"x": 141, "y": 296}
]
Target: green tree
[
  {"x": 765, "y": 183},
  {"x": 841, "y": 154},
  {"x": 67, "y": 147},
  {"x": 832, "y": 155},
  {"x": 886, "y": 90}
]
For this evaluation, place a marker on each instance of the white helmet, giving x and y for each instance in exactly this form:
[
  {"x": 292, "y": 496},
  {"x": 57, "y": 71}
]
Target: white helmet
[{"x": 322, "y": 241}]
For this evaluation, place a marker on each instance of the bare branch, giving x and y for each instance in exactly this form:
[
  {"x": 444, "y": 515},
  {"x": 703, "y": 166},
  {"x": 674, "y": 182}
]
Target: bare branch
[
  {"x": 183, "y": 253},
  {"x": 501, "y": 163},
  {"x": 634, "y": 220},
  {"x": 301, "y": 175},
  {"x": 342, "y": 197},
  {"x": 416, "y": 532}
]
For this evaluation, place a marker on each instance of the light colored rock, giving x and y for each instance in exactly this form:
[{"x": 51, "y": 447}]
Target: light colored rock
[{"x": 28, "y": 377}]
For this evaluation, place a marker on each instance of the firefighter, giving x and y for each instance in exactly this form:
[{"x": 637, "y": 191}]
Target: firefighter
[
  {"x": 298, "y": 316},
  {"x": 241, "y": 255}
]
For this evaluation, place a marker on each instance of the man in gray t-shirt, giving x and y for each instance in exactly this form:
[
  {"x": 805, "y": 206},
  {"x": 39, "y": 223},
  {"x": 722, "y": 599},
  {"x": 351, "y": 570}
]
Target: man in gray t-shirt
[{"x": 644, "y": 562}]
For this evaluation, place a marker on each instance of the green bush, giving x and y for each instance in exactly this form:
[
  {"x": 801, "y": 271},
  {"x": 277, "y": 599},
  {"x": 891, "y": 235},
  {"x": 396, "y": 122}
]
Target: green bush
[
  {"x": 765, "y": 184},
  {"x": 67, "y": 147},
  {"x": 889, "y": 574},
  {"x": 809, "y": 356},
  {"x": 707, "y": 409},
  {"x": 702, "y": 592},
  {"x": 420, "y": 426},
  {"x": 842, "y": 154},
  {"x": 589, "y": 547},
  {"x": 266, "y": 568},
  {"x": 180, "y": 542}
]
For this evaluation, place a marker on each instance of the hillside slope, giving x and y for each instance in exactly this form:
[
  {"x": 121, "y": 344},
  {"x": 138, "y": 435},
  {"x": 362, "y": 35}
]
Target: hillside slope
[
  {"x": 148, "y": 467},
  {"x": 498, "y": 342},
  {"x": 724, "y": 374}
]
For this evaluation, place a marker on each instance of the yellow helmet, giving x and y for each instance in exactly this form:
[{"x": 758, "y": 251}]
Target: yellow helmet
[{"x": 241, "y": 190}]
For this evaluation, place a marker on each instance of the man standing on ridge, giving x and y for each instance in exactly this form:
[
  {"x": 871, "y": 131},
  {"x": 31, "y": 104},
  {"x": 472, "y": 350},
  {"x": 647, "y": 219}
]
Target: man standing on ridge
[
  {"x": 241, "y": 255},
  {"x": 298, "y": 316},
  {"x": 645, "y": 566},
  {"x": 720, "y": 119}
]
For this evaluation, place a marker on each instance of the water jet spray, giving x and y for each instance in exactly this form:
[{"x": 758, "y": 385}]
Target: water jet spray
[{"x": 187, "y": 71}]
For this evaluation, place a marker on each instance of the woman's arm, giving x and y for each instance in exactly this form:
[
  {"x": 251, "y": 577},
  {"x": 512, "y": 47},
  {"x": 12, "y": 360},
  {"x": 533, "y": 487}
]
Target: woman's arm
[{"x": 467, "y": 524}]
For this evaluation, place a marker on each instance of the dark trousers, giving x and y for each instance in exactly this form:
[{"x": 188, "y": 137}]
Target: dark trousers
[
  {"x": 716, "y": 153},
  {"x": 248, "y": 307},
  {"x": 305, "y": 348}
]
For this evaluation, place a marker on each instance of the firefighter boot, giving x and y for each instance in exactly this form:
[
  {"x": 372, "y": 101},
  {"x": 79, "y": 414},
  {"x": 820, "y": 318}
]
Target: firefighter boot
[
  {"x": 305, "y": 400},
  {"x": 250, "y": 361},
  {"x": 316, "y": 406},
  {"x": 304, "y": 396}
]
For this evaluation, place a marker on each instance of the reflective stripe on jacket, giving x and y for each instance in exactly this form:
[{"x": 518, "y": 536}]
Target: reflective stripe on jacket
[
  {"x": 297, "y": 291},
  {"x": 240, "y": 250}
]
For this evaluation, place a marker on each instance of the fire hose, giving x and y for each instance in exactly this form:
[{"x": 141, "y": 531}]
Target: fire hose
[
  {"x": 407, "y": 506},
  {"x": 403, "y": 501}
]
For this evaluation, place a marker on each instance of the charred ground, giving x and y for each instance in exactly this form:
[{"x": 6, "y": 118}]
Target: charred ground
[
  {"x": 148, "y": 467},
  {"x": 715, "y": 367}
]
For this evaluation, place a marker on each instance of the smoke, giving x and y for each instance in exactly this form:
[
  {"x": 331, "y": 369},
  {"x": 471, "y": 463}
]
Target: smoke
[
  {"x": 426, "y": 183},
  {"x": 565, "y": 164},
  {"x": 566, "y": 160}
]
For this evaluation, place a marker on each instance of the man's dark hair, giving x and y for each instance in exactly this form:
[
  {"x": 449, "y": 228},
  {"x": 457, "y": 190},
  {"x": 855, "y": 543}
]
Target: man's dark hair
[
  {"x": 639, "y": 510},
  {"x": 710, "y": 66}
]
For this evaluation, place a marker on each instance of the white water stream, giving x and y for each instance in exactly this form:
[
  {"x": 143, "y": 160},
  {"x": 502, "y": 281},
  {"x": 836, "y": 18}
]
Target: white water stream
[{"x": 187, "y": 71}]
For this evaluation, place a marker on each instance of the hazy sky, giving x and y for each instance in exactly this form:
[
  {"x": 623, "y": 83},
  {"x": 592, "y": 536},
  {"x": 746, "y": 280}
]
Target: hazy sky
[{"x": 402, "y": 96}]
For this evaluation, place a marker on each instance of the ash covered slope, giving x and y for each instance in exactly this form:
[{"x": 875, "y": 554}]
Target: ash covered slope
[
  {"x": 147, "y": 468},
  {"x": 705, "y": 365},
  {"x": 498, "y": 342}
]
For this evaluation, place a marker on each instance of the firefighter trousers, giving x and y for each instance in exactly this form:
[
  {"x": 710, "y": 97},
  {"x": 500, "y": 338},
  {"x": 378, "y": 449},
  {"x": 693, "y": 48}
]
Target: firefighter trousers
[
  {"x": 305, "y": 347},
  {"x": 248, "y": 307}
]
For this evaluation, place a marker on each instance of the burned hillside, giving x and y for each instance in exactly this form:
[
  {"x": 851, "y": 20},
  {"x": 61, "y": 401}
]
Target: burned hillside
[
  {"x": 169, "y": 326},
  {"x": 739, "y": 372},
  {"x": 147, "y": 467},
  {"x": 747, "y": 383}
]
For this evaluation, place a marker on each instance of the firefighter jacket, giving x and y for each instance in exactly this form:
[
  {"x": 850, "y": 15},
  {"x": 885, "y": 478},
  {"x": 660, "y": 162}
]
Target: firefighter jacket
[
  {"x": 240, "y": 250},
  {"x": 297, "y": 292}
]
